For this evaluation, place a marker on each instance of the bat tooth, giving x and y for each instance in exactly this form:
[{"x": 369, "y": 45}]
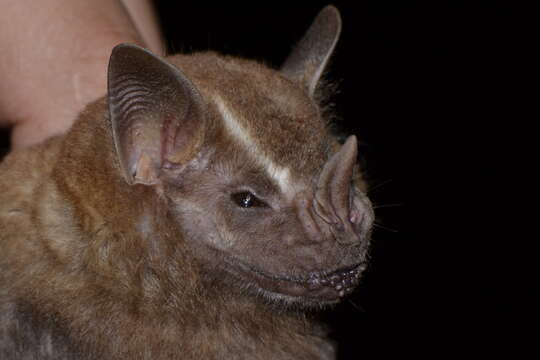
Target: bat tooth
[
  {"x": 314, "y": 286},
  {"x": 314, "y": 283},
  {"x": 361, "y": 268}
]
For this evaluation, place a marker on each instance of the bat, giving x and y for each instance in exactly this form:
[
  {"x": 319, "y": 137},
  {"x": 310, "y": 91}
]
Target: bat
[{"x": 202, "y": 209}]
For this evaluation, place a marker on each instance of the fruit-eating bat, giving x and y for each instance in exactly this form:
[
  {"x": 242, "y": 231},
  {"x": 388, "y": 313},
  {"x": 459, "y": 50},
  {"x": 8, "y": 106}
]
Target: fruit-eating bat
[{"x": 201, "y": 210}]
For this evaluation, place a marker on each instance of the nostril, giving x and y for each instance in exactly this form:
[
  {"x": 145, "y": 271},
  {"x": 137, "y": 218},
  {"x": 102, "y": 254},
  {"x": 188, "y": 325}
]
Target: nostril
[{"x": 354, "y": 216}]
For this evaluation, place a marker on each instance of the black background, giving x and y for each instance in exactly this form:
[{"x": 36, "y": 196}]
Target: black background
[{"x": 431, "y": 90}]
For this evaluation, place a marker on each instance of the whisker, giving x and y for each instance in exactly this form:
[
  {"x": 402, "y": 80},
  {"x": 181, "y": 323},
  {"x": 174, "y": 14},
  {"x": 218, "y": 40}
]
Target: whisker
[
  {"x": 387, "y": 205},
  {"x": 357, "y": 307},
  {"x": 370, "y": 189},
  {"x": 384, "y": 227}
]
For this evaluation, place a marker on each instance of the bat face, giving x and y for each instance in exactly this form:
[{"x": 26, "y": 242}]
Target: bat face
[
  {"x": 281, "y": 245},
  {"x": 259, "y": 210},
  {"x": 260, "y": 190}
]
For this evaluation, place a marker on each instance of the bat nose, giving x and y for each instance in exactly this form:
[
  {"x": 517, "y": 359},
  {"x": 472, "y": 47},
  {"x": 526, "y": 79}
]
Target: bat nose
[
  {"x": 333, "y": 202},
  {"x": 320, "y": 226},
  {"x": 335, "y": 210}
]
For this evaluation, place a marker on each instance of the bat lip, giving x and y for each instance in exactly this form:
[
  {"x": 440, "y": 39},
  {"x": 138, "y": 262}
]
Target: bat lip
[{"x": 316, "y": 287}]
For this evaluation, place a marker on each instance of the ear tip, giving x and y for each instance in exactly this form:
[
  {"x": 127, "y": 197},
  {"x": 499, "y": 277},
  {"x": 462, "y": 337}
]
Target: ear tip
[
  {"x": 331, "y": 9},
  {"x": 329, "y": 23},
  {"x": 126, "y": 48},
  {"x": 351, "y": 141},
  {"x": 125, "y": 53},
  {"x": 332, "y": 13}
]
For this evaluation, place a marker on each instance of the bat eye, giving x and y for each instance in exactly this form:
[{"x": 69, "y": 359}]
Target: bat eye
[{"x": 245, "y": 199}]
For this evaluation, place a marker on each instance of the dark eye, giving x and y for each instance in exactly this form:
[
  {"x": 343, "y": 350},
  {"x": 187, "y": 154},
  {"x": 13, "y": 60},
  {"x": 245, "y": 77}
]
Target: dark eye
[{"x": 245, "y": 199}]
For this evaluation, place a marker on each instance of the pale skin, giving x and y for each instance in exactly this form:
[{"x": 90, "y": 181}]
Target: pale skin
[{"x": 54, "y": 58}]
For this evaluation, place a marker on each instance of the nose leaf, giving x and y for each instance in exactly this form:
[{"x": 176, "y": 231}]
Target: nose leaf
[{"x": 332, "y": 197}]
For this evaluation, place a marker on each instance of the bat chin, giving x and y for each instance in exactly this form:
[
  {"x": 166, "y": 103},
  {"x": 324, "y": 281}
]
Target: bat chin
[{"x": 315, "y": 289}]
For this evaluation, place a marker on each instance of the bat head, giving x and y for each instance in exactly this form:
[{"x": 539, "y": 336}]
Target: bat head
[{"x": 260, "y": 190}]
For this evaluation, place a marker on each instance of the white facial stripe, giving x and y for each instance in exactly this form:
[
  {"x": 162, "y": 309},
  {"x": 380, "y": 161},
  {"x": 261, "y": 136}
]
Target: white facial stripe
[
  {"x": 279, "y": 174},
  {"x": 236, "y": 129}
]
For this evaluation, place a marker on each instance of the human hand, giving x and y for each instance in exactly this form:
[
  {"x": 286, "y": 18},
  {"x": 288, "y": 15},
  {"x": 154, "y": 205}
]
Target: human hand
[{"x": 54, "y": 58}]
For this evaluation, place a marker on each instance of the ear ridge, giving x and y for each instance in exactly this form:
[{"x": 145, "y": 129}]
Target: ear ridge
[
  {"x": 309, "y": 58},
  {"x": 157, "y": 114}
]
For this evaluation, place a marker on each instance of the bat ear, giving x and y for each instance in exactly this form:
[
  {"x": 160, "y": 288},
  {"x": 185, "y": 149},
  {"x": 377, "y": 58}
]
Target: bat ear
[
  {"x": 157, "y": 114},
  {"x": 309, "y": 58}
]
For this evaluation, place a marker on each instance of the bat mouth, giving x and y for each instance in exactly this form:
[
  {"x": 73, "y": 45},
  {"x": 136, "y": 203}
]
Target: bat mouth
[{"x": 316, "y": 288}]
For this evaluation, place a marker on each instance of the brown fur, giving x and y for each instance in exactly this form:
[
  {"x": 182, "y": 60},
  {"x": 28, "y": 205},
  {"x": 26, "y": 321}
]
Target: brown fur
[
  {"x": 94, "y": 268},
  {"x": 72, "y": 260}
]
